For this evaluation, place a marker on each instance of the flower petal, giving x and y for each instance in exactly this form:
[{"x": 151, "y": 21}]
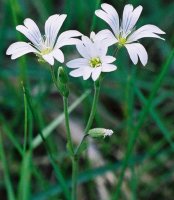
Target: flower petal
[
  {"x": 135, "y": 16},
  {"x": 52, "y": 27},
  {"x": 31, "y": 31},
  {"x": 145, "y": 31},
  {"x": 68, "y": 38},
  {"x": 83, "y": 50},
  {"x": 49, "y": 58},
  {"x": 126, "y": 17},
  {"x": 108, "y": 67},
  {"x": 108, "y": 59},
  {"x": 110, "y": 16},
  {"x": 107, "y": 37},
  {"x": 136, "y": 50},
  {"x": 87, "y": 72},
  {"x": 76, "y": 63},
  {"x": 58, "y": 55},
  {"x": 96, "y": 73},
  {"x": 31, "y": 25},
  {"x": 77, "y": 72},
  {"x": 18, "y": 49},
  {"x": 130, "y": 17}
]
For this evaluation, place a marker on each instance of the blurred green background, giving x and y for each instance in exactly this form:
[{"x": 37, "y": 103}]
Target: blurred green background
[{"x": 134, "y": 100}]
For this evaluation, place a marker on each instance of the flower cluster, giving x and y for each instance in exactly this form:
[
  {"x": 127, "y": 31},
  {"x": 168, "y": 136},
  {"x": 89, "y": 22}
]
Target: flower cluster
[{"x": 93, "y": 50}]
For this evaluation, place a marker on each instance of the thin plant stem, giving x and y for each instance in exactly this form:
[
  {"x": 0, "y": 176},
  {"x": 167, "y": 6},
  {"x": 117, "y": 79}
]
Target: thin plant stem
[
  {"x": 69, "y": 140},
  {"x": 94, "y": 105},
  {"x": 81, "y": 143},
  {"x": 25, "y": 121},
  {"x": 74, "y": 177},
  {"x": 68, "y": 131}
]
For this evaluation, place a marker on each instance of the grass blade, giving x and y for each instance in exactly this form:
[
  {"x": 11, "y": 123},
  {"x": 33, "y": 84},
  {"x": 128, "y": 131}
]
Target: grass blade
[
  {"x": 8, "y": 182},
  {"x": 142, "y": 117},
  {"x": 25, "y": 177}
]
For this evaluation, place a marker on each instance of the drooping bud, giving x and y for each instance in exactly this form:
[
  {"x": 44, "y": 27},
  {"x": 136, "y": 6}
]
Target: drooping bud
[{"x": 100, "y": 132}]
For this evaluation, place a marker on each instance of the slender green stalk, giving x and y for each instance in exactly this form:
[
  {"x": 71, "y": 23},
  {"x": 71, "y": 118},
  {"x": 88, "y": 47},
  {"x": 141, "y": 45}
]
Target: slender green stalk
[
  {"x": 25, "y": 122},
  {"x": 68, "y": 131},
  {"x": 142, "y": 117},
  {"x": 94, "y": 105},
  {"x": 74, "y": 177},
  {"x": 69, "y": 139}
]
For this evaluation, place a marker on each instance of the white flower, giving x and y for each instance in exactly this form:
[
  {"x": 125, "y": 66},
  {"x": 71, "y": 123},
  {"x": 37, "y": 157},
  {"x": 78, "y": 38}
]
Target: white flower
[
  {"x": 108, "y": 132},
  {"x": 47, "y": 47},
  {"x": 94, "y": 59},
  {"x": 124, "y": 33}
]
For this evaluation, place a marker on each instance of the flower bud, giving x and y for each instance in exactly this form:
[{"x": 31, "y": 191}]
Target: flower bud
[
  {"x": 100, "y": 132},
  {"x": 62, "y": 75},
  {"x": 62, "y": 81}
]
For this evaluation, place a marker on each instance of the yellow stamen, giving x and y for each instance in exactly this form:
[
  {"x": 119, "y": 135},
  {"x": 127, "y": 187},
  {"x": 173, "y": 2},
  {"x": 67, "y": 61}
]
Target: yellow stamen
[
  {"x": 46, "y": 51},
  {"x": 95, "y": 62}
]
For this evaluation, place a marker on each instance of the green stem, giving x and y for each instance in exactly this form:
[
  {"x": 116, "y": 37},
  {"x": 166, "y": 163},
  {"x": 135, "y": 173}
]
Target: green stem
[
  {"x": 94, "y": 105},
  {"x": 80, "y": 145},
  {"x": 68, "y": 132},
  {"x": 74, "y": 177},
  {"x": 25, "y": 121},
  {"x": 69, "y": 140}
]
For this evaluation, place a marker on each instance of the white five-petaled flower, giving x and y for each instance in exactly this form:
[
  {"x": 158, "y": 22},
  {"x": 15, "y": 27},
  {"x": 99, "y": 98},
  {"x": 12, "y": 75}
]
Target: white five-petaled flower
[
  {"x": 94, "y": 59},
  {"x": 124, "y": 32},
  {"x": 46, "y": 47}
]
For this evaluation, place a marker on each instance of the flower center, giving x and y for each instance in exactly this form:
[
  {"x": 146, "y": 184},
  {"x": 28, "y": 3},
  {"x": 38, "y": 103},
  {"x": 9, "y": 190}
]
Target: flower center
[
  {"x": 45, "y": 51},
  {"x": 95, "y": 62},
  {"x": 122, "y": 41}
]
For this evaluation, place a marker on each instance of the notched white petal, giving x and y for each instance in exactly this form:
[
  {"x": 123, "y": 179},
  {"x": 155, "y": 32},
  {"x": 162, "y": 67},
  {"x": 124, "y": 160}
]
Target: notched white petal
[
  {"x": 52, "y": 27},
  {"x": 136, "y": 50},
  {"x": 18, "y": 49},
  {"x": 68, "y": 38},
  {"x": 146, "y": 31}
]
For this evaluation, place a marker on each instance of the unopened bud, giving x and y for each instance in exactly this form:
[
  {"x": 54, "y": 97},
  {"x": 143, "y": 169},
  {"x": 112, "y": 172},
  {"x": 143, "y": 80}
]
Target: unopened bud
[
  {"x": 100, "y": 132},
  {"x": 62, "y": 81},
  {"x": 62, "y": 75}
]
